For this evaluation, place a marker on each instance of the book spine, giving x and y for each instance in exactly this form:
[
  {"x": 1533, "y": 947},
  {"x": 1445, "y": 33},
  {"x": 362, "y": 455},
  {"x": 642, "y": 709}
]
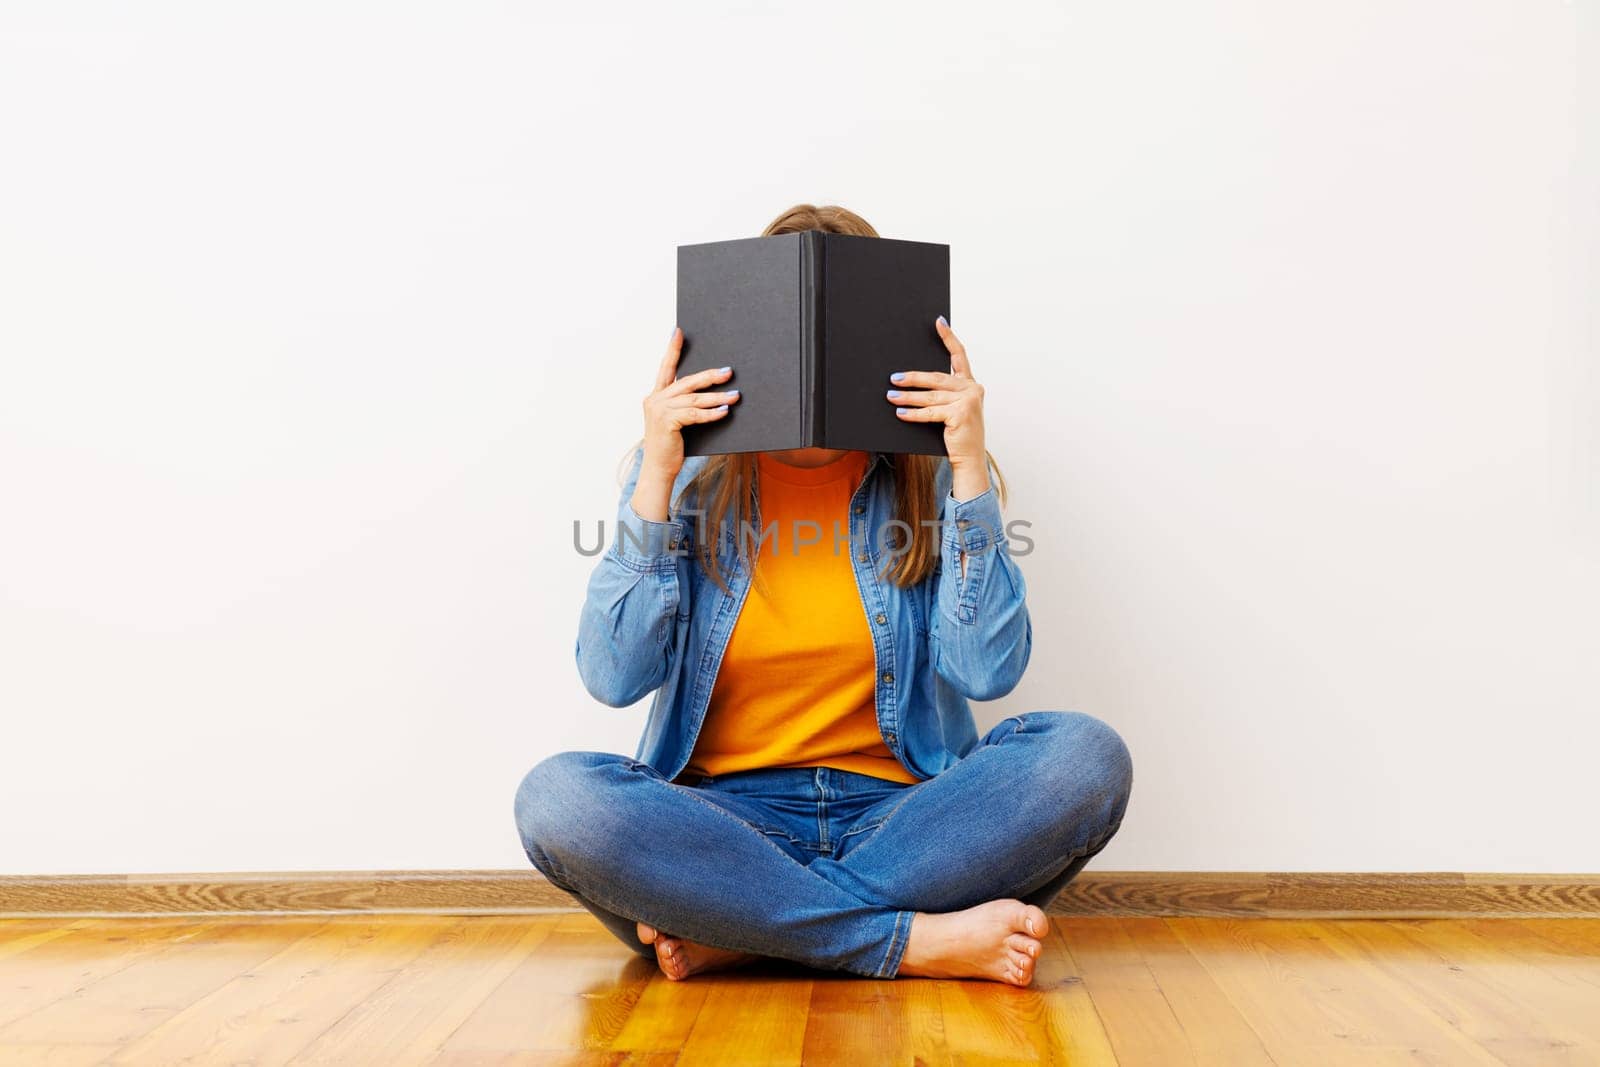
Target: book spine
[{"x": 813, "y": 262}]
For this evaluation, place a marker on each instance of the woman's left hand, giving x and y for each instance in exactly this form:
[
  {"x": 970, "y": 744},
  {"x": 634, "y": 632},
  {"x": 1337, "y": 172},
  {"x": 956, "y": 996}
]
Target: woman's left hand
[{"x": 956, "y": 400}]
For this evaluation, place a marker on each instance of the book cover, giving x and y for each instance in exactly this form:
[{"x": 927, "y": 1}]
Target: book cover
[{"x": 813, "y": 324}]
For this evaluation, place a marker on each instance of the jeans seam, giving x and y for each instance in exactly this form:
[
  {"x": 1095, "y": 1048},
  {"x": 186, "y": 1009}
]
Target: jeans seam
[
  {"x": 690, "y": 791},
  {"x": 822, "y": 811},
  {"x": 759, "y": 828},
  {"x": 731, "y": 817},
  {"x": 885, "y": 820},
  {"x": 793, "y": 840},
  {"x": 644, "y": 566},
  {"x": 859, "y": 828},
  {"x": 888, "y": 951},
  {"x": 899, "y": 956}
]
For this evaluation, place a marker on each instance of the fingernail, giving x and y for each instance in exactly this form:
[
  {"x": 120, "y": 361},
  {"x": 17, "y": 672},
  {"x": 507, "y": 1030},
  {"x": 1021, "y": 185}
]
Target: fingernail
[
  {"x": 733, "y": 392},
  {"x": 944, "y": 322},
  {"x": 724, "y": 370},
  {"x": 897, "y": 375},
  {"x": 901, "y": 411},
  {"x": 673, "y": 334},
  {"x": 723, "y": 407},
  {"x": 894, "y": 394}
]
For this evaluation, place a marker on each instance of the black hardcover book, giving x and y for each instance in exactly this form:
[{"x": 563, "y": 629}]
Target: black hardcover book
[{"x": 812, "y": 324}]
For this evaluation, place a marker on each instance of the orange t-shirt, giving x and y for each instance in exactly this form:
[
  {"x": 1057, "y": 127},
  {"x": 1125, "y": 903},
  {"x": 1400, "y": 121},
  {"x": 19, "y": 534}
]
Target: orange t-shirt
[{"x": 795, "y": 687}]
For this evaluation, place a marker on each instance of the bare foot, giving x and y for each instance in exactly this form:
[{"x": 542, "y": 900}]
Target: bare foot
[
  {"x": 678, "y": 957},
  {"x": 999, "y": 940}
]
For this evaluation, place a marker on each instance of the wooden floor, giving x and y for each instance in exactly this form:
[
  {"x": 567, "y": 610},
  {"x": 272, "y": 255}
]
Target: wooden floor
[{"x": 557, "y": 988}]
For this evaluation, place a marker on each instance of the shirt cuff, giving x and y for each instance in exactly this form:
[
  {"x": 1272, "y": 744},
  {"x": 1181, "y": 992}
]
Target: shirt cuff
[
  {"x": 973, "y": 525},
  {"x": 647, "y": 544}
]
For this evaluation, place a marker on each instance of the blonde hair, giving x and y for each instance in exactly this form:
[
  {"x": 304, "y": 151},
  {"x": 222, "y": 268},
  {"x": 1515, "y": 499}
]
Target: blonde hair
[{"x": 727, "y": 482}]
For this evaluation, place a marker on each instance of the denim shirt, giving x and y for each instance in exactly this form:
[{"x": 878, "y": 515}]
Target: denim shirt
[{"x": 653, "y": 620}]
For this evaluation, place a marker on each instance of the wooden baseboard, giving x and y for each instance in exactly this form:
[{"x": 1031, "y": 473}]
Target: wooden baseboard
[
  {"x": 1127, "y": 893},
  {"x": 285, "y": 892},
  {"x": 1314, "y": 895}
]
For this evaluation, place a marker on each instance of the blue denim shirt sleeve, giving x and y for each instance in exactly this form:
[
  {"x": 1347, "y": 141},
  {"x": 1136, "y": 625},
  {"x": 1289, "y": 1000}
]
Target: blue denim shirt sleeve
[
  {"x": 625, "y": 628},
  {"x": 980, "y": 635}
]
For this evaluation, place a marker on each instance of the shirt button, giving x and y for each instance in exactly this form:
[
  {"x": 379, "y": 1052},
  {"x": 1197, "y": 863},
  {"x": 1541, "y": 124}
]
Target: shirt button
[
  {"x": 889, "y": 738},
  {"x": 862, "y": 557},
  {"x": 860, "y": 510},
  {"x": 880, "y": 618},
  {"x": 887, "y": 678},
  {"x": 963, "y": 522}
]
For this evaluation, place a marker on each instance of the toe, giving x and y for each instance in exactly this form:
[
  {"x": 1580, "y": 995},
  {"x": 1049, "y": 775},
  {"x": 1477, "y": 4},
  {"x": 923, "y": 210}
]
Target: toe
[
  {"x": 1023, "y": 943},
  {"x": 1020, "y": 965},
  {"x": 647, "y": 933},
  {"x": 1034, "y": 920},
  {"x": 668, "y": 958}
]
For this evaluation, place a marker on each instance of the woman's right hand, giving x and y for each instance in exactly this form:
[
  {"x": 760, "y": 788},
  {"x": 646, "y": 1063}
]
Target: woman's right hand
[{"x": 672, "y": 405}]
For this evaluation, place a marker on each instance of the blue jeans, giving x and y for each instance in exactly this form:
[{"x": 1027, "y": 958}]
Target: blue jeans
[{"x": 820, "y": 866}]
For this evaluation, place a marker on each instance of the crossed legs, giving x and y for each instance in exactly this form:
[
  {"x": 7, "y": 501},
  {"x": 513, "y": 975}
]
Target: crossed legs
[{"x": 974, "y": 852}]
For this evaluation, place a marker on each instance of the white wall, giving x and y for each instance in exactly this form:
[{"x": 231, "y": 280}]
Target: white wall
[{"x": 320, "y": 325}]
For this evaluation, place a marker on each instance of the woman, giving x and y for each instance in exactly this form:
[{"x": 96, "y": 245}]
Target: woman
[{"x": 810, "y": 784}]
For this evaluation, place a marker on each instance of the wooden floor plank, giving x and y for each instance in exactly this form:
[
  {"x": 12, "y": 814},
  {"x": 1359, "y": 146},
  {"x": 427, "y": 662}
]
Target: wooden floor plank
[
  {"x": 1074, "y": 1033},
  {"x": 1554, "y": 985},
  {"x": 1142, "y": 1026},
  {"x": 55, "y": 1055},
  {"x": 550, "y": 1058},
  {"x": 585, "y": 986},
  {"x": 1566, "y": 945},
  {"x": 409, "y": 1018},
  {"x": 560, "y": 989},
  {"x": 1310, "y": 1005},
  {"x": 271, "y": 1011},
  {"x": 750, "y": 1018},
  {"x": 53, "y": 969},
  {"x": 1052, "y": 1021},
  {"x": 902, "y": 1019},
  {"x": 179, "y": 969},
  {"x": 20, "y": 935},
  {"x": 1446, "y": 976},
  {"x": 663, "y": 1013},
  {"x": 1158, "y": 1004}
]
